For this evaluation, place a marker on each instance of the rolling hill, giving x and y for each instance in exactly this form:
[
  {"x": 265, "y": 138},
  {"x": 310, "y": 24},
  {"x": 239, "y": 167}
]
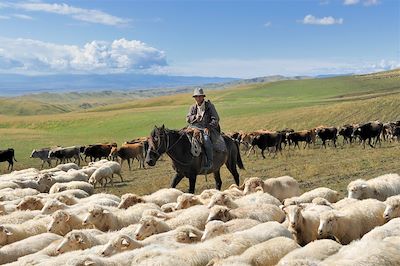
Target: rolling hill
[{"x": 297, "y": 104}]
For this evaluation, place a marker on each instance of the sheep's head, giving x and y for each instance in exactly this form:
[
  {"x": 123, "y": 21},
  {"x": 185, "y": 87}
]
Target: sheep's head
[
  {"x": 219, "y": 199},
  {"x": 293, "y": 214},
  {"x": 120, "y": 243},
  {"x": 186, "y": 200},
  {"x": 328, "y": 224},
  {"x": 219, "y": 213},
  {"x": 251, "y": 185},
  {"x": 73, "y": 241},
  {"x": 59, "y": 223},
  {"x": 147, "y": 226},
  {"x": 45, "y": 181},
  {"x": 67, "y": 199},
  {"x": 4, "y": 233},
  {"x": 96, "y": 214},
  {"x": 392, "y": 208},
  {"x": 356, "y": 189},
  {"x": 129, "y": 199},
  {"x": 30, "y": 203},
  {"x": 213, "y": 229},
  {"x": 51, "y": 206},
  {"x": 188, "y": 234}
]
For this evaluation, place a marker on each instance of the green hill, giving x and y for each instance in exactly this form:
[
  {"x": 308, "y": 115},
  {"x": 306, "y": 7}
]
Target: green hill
[{"x": 297, "y": 104}]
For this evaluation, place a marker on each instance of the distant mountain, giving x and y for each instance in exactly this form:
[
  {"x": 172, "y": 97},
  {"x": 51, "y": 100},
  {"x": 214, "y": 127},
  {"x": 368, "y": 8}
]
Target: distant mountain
[{"x": 16, "y": 85}]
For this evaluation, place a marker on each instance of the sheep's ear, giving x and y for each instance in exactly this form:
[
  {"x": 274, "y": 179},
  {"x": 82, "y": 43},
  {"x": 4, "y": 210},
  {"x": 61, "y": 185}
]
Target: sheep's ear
[
  {"x": 124, "y": 242},
  {"x": 68, "y": 217},
  {"x": 8, "y": 233},
  {"x": 105, "y": 211},
  {"x": 363, "y": 186},
  {"x": 89, "y": 263},
  {"x": 192, "y": 235},
  {"x": 282, "y": 207}
]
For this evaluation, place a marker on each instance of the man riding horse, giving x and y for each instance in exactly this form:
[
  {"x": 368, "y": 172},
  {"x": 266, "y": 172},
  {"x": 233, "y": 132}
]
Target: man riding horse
[{"x": 203, "y": 116}]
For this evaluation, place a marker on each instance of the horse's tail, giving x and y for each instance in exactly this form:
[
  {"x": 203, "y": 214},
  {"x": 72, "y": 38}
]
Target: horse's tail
[{"x": 238, "y": 157}]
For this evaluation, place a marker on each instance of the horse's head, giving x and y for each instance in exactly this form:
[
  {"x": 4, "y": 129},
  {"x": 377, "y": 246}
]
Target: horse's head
[{"x": 157, "y": 145}]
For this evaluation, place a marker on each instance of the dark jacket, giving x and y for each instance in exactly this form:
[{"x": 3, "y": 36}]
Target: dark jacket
[{"x": 210, "y": 119}]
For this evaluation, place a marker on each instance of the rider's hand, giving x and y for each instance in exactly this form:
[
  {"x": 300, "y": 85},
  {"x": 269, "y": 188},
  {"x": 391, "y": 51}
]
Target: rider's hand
[{"x": 206, "y": 131}]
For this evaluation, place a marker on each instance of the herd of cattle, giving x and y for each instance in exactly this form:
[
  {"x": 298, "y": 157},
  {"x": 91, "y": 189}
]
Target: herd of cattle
[{"x": 373, "y": 131}]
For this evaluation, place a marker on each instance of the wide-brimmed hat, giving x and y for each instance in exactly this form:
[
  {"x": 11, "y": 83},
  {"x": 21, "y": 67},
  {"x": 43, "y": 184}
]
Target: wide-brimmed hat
[{"x": 198, "y": 92}]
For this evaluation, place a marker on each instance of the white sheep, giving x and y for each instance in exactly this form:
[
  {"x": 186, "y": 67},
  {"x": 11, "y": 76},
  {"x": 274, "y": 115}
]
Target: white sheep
[
  {"x": 391, "y": 228},
  {"x": 265, "y": 253},
  {"x": 185, "y": 234},
  {"x": 224, "y": 199},
  {"x": 160, "y": 197},
  {"x": 392, "y": 207},
  {"x": 330, "y": 195},
  {"x": 115, "y": 167},
  {"x": 63, "y": 222},
  {"x": 311, "y": 254},
  {"x": 262, "y": 213},
  {"x": 9, "y": 184},
  {"x": 195, "y": 216},
  {"x": 378, "y": 188},
  {"x": 372, "y": 252},
  {"x": 216, "y": 227},
  {"x": 353, "y": 222},
  {"x": 98, "y": 198},
  {"x": 102, "y": 175},
  {"x": 280, "y": 187},
  {"x": 10, "y": 233},
  {"x": 18, "y": 217},
  {"x": 9, "y": 194},
  {"x": 303, "y": 222},
  {"x": 104, "y": 219},
  {"x": 59, "y": 187},
  {"x": 187, "y": 200},
  {"x": 219, "y": 247},
  {"x": 81, "y": 239},
  {"x": 31, "y": 203},
  {"x": 67, "y": 166},
  {"x": 12, "y": 252}
]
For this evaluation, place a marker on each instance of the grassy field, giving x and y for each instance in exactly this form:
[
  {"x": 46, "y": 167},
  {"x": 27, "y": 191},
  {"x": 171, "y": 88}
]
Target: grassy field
[{"x": 298, "y": 104}]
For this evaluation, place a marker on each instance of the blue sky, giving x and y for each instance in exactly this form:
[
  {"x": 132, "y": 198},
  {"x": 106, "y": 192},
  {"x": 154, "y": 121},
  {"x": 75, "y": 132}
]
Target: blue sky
[{"x": 202, "y": 38}]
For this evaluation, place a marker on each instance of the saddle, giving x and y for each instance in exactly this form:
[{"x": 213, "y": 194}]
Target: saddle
[{"x": 195, "y": 137}]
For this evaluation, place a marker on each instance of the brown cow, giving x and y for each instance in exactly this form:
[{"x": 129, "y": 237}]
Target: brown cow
[
  {"x": 297, "y": 136},
  {"x": 129, "y": 151}
]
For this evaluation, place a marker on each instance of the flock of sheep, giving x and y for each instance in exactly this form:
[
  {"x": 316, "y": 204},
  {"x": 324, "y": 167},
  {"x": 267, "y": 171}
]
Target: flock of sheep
[{"x": 53, "y": 217}]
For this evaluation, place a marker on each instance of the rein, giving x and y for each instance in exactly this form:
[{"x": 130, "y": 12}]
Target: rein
[{"x": 168, "y": 149}]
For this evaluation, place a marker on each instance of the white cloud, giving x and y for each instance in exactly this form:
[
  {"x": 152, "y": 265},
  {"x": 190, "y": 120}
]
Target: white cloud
[
  {"x": 87, "y": 15},
  {"x": 22, "y": 16},
  {"x": 364, "y": 2},
  {"x": 265, "y": 67},
  {"x": 33, "y": 56},
  {"x": 310, "y": 19},
  {"x": 268, "y": 24}
]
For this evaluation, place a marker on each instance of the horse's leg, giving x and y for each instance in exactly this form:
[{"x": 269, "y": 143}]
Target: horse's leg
[
  {"x": 192, "y": 183},
  {"x": 218, "y": 181},
  {"x": 175, "y": 181}
]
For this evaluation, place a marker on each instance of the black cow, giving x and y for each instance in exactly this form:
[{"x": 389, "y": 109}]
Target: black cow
[
  {"x": 369, "y": 131},
  {"x": 327, "y": 133},
  {"x": 347, "y": 132},
  {"x": 267, "y": 140},
  {"x": 66, "y": 153},
  {"x": 98, "y": 151},
  {"x": 396, "y": 132},
  {"x": 8, "y": 155}
]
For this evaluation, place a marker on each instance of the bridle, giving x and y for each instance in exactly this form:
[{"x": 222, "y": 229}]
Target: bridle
[{"x": 167, "y": 146}]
